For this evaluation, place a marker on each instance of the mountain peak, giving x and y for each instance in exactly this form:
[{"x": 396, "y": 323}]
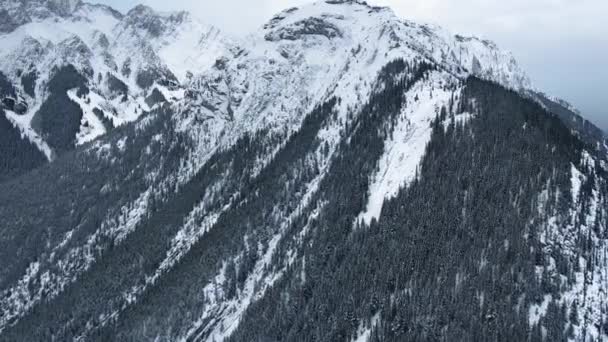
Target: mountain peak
[
  {"x": 64, "y": 7},
  {"x": 147, "y": 11},
  {"x": 353, "y": 23},
  {"x": 349, "y": 2},
  {"x": 155, "y": 23},
  {"x": 34, "y": 7},
  {"x": 325, "y": 18},
  {"x": 338, "y": 140},
  {"x": 141, "y": 9},
  {"x": 14, "y": 13}
]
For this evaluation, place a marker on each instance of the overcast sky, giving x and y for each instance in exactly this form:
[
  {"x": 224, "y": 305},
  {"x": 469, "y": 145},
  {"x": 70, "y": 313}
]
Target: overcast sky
[{"x": 562, "y": 44}]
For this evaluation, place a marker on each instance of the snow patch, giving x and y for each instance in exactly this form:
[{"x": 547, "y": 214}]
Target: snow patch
[
  {"x": 364, "y": 334},
  {"x": 91, "y": 126},
  {"x": 23, "y": 123},
  {"x": 404, "y": 150},
  {"x": 537, "y": 311},
  {"x": 576, "y": 181}
]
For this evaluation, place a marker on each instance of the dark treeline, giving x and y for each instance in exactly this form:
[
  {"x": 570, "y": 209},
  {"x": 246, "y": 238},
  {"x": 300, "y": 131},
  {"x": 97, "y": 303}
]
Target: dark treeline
[
  {"x": 79, "y": 191},
  {"x": 251, "y": 221},
  {"x": 121, "y": 266},
  {"x": 17, "y": 154}
]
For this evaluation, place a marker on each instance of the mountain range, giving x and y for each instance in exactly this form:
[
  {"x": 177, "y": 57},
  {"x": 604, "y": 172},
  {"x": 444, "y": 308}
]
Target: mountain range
[{"x": 340, "y": 174}]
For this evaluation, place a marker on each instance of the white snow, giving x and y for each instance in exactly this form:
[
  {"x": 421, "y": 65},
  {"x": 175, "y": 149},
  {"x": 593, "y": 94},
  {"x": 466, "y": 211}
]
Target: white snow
[
  {"x": 54, "y": 41},
  {"x": 121, "y": 144},
  {"x": 537, "y": 311},
  {"x": 91, "y": 126},
  {"x": 459, "y": 119},
  {"x": 19, "y": 296},
  {"x": 223, "y": 317},
  {"x": 589, "y": 290},
  {"x": 86, "y": 24},
  {"x": 267, "y": 84},
  {"x": 193, "y": 47},
  {"x": 23, "y": 123},
  {"x": 263, "y": 85},
  {"x": 404, "y": 150},
  {"x": 364, "y": 334}
]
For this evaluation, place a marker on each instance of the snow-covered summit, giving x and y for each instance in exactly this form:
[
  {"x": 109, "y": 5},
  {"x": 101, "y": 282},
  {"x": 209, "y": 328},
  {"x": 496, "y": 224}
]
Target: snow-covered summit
[
  {"x": 355, "y": 19},
  {"x": 284, "y": 69},
  {"x": 303, "y": 55},
  {"x": 331, "y": 61}
]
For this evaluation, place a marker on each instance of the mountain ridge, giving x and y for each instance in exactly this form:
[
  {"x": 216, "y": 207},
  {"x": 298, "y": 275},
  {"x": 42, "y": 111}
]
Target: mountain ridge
[
  {"x": 327, "y": 172},
  {"x": 123, "y": 56},
  {"x": 162, "y": 64}
]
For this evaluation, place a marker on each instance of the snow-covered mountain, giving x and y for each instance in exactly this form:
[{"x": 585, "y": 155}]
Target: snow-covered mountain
[
  {"x": 124, "y": 65},
  {"x": 129, "y": 63},
  {"x": 341, "y": 174}
]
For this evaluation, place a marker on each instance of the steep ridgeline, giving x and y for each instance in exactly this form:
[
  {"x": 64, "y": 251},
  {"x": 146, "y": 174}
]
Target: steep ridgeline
[
  {"x": 343, "y": 175},
  {"x": 586, "y": 130}
]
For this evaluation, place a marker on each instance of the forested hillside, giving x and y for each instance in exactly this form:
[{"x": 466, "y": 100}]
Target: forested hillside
[
  {"x": 343, "y": 175},
  {"x": 19, "y": 155}
]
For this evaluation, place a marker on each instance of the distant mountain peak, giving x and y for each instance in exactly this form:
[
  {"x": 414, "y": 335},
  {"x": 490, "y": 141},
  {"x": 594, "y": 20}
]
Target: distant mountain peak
[
  {"x": 351, "y": 22},
  {"x": 155, "y": 23},
  {"x": 347, "y": 2},
  {"x": 146, "y": 11},
  {"x": 64, "y": 7},
  {"x": 35, "y": 7},
  {"x": 14, "y": 13},
  {"x": 141, "y": 10}
]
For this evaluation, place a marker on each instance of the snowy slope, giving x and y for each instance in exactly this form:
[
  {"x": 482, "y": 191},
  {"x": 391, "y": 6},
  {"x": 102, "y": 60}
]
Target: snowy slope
[
  {"x": 300, "y": 59},
  {"x": 334, "y": 48},
  {"x": 406, "y": 147},
  {"x": 304, "y": 56},
  {"x": 587, "y": 296},
  {"x": 219, "y": 91}
]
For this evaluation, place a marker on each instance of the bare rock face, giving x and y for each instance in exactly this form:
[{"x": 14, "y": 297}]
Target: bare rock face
[
  {"x": 64, "y": 8},
  {"x": 303, "y": 28}
]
